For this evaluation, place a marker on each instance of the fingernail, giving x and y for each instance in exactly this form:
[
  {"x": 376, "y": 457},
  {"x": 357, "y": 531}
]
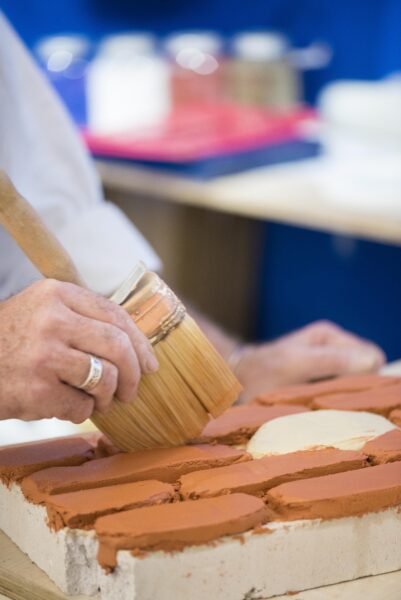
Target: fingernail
[{"x": 151, "y": 363}]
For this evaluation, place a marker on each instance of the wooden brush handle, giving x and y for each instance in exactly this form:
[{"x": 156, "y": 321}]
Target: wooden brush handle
[{"x": 23, "y": 223}]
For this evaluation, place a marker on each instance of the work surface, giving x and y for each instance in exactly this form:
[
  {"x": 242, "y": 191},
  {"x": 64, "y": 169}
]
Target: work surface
[
  {"x": 20, "y": 579},
  {"x": 296, "y": 194}
]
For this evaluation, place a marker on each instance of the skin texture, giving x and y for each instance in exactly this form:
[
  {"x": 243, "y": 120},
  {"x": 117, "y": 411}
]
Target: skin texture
[
  {"x": 46, "y": 333},
  {"x": 317, "y": 351}
]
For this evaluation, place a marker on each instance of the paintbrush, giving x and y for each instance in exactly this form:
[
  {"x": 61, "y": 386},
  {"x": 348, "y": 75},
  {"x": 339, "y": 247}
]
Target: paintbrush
[{"x": 193, "y": 382}]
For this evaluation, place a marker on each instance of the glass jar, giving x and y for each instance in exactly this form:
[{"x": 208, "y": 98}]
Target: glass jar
[
  {"x": 259, "y": 71},
  {"x": 195, "y": 62}
]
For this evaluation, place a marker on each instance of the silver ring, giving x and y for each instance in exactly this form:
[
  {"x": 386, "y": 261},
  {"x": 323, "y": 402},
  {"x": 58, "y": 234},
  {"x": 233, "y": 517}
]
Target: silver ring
[{"x": 94, "y": 375}]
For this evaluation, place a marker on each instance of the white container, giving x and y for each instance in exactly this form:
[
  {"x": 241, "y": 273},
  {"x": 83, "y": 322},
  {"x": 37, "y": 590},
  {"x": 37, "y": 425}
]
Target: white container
[
  {"x": 127, "y": 85},
  {"x": 361, "y": 136}
]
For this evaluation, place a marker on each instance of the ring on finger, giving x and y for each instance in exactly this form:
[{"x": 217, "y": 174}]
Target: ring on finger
[{"x": 94, "y": 374}]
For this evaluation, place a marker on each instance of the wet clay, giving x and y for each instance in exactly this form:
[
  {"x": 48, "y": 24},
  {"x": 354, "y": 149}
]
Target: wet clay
[
  {"x": 384, "y": 448},
  {"x": 81, "y": 509},
  {"x": 239, "y": 423},
  {"x": 21, "y": 460},
  {"x": 161, "y": 464},
  {"x": 258, "y": 476},
  {"x": 304, "y": 394},
  {"x": 340, "y": 495},
  {"x": 395, "y": 417},
  {"x": 380, "y": 401},
  {"x": 175, "y": 526}
]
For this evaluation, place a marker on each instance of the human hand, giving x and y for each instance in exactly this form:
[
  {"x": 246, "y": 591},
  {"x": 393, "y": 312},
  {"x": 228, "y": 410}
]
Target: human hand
[
  {"x": 317, "y": 351},
  {"x": 46, "y": 334}
]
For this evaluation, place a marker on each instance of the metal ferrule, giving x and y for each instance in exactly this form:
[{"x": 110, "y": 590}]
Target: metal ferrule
[{"x": 154, "y": 307}]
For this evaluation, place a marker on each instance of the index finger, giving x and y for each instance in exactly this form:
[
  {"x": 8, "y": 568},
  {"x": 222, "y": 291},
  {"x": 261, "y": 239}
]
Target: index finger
[{"x": 91, "y": 305}]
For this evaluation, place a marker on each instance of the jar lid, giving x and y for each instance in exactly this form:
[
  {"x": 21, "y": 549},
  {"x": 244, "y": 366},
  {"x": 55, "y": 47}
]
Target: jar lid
[
  {"x": 260, "y": 45},
  {"x": 208, "y": 42},
  {"x": 126, "y": 45},
  {"x": 195, "y": 51}
]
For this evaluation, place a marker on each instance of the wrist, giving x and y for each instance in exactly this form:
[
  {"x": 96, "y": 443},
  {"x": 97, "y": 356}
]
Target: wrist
[{"x": 237, "y": 356}]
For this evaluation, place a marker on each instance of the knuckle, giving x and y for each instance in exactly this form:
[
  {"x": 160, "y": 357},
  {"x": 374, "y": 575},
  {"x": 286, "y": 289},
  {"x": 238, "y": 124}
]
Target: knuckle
[
  {"x": 42, "y": 320},
  {"x": 122, "y": 343},
  {"x": 324, "y": 325},
  {"x": 56, "y": 320},
  {"x": 50, "y": 288},
  {"x": 41, "y": 356},
  {"x": 122, "y": 320},
  {"x": 51, "y": 319},
  {"x": 112, "y": 310},
  {"x": 109, "y": 380},
  {"x": 144, "y": 347}
]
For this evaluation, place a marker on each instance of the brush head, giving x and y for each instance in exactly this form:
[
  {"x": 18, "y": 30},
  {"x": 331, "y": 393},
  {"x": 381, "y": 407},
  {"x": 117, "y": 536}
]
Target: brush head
[{"x": 193, "y": 382}]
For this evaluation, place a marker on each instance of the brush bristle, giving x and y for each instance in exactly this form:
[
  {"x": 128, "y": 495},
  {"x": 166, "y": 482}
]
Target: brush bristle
[{"x": 174, "y": 404}]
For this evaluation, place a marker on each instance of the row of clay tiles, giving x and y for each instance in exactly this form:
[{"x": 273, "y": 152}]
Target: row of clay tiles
[
  {"x": 370, "y": 393},
  {"x": 174, "y": 526},
  {"x": 207, "y": 470},
  {"x": 200, "y": 472}
]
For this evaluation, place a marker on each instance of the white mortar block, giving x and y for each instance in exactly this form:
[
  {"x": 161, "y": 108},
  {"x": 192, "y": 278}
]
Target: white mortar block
[
  {"x": 290, "y": 556},
  {"x": 68, "y": 556},
  {"x": 295, "y": 556}
]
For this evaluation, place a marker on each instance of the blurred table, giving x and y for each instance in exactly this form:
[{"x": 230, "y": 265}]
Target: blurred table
[
  {"x": 211, "y": 233},
  {"x": 287, "y": 193}
]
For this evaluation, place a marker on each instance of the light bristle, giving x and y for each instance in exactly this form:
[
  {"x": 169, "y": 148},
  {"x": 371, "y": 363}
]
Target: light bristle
[{"x": 174, "y": 404}]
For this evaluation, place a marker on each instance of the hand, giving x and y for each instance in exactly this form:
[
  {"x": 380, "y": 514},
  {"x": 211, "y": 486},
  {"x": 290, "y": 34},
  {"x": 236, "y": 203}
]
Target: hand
[
  {"x": 46, "y": 334},
  {"x": 318, "y": 351}
]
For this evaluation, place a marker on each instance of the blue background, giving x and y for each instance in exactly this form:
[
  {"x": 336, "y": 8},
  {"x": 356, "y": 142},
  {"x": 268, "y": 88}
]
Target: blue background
[
  {"x": 365, "y": 34},
  {"x": 306, "y": 275}
]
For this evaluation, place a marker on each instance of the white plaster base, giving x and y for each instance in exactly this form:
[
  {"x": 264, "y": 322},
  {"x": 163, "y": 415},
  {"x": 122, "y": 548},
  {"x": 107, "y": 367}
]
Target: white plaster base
[
  {"x": 67, "y": 556},
  {"x": 295, "y": 556},
  {"x": 292, "y": 557}
]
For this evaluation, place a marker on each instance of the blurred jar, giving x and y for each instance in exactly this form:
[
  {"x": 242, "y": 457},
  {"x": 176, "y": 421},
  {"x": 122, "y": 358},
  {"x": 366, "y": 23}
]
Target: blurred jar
[
  {"x": 127, "y": 84},
  {"x": 64, "y": 59},
  {"x": 259, "y": 71},
  {"x": 196, "y": 68}
]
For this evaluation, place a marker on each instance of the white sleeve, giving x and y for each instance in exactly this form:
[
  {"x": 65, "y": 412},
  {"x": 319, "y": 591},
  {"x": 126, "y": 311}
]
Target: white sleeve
[{"x": 44, "y": 156}]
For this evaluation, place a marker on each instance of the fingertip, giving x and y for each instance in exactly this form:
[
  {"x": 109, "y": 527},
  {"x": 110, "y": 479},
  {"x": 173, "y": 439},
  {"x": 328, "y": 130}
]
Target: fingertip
[
  {"x": 84, "y": 412},
  {"x": 151, "y": 364},
  {"x": 103, "y": 409},
  {"x": 362, "y": 361},
  {"x": 381, "y": 358},
  {"x": 125, "y": 397}
]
